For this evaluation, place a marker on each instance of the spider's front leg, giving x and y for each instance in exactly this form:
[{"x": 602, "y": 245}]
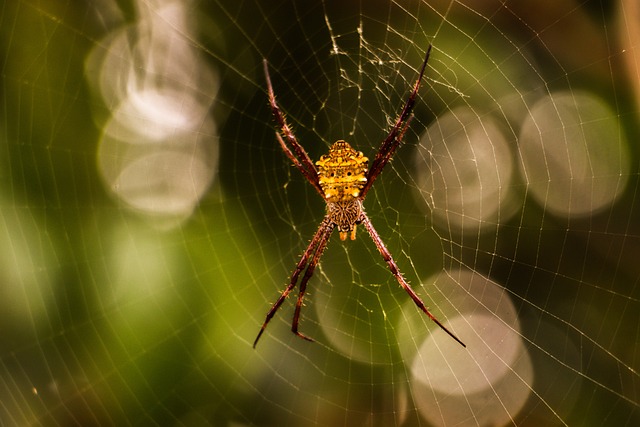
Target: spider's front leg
[
  {"x": 396, "y": 273},
  {"x": 316, "y": 247},
  {"x": 327, "y": 227}
]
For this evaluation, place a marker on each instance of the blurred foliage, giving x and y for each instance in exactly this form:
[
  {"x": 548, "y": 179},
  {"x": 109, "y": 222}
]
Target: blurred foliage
[{"x": 112, "y": 317}]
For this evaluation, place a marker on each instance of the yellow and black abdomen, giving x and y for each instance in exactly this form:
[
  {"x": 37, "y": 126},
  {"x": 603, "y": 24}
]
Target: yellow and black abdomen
[{"x": 342, "y": 172}]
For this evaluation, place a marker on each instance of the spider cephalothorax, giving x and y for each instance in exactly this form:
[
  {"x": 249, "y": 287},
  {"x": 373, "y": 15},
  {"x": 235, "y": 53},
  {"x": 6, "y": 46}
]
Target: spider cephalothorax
[
  {"x": 342, "y": 174},
  {"x": 342, "y": 178}
]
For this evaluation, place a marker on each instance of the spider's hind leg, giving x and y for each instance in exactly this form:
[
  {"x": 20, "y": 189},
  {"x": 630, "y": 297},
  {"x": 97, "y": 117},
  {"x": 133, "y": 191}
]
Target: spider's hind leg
[
  {"x": 295, "y": 152},
  {"x": 394, "y": 138}
]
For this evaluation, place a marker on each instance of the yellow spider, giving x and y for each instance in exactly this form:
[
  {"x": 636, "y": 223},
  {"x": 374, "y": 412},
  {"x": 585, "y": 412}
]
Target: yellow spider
[{"x": 343, "y": 179}]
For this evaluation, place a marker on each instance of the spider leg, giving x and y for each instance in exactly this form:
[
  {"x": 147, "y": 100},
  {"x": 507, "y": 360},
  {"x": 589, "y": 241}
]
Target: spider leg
[
  {"x": 300, "y": 159},
  {"x": 318, "y": 239},
  {"x": 322, "y": 244},
  {"x": 394, "y": 138},
  {"x": 396, "y": 272},
  {"x": 296, "y": 162}
]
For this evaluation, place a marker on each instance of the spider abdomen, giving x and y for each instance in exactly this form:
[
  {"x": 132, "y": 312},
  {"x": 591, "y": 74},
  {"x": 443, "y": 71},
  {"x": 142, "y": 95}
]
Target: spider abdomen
[{"x": 342, "y": 172}]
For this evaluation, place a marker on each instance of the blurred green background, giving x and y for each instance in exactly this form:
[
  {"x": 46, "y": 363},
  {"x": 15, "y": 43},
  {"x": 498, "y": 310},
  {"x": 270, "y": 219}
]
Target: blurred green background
[{"x": 149, "y": 218}]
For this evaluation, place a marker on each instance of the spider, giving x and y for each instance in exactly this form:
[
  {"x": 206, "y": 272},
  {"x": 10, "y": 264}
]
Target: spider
[{"x": 343, "y": 179}]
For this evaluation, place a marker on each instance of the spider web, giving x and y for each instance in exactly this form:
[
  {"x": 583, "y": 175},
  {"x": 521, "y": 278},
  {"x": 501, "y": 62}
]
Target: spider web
[{"x": 150, "y": 218}]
